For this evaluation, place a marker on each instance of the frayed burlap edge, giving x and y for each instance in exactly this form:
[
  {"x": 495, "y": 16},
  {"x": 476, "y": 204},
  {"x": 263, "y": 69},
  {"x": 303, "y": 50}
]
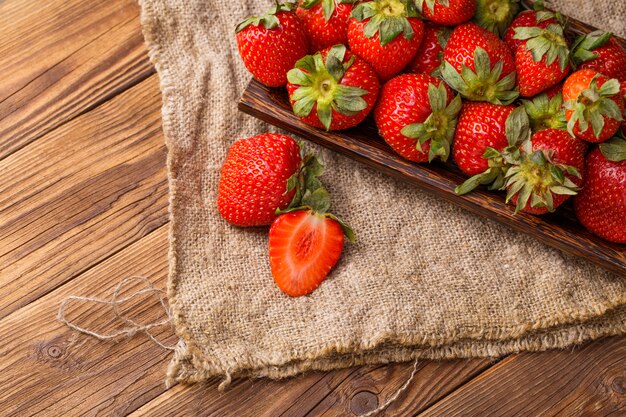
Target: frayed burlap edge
[{"x": 190, "y": 364}]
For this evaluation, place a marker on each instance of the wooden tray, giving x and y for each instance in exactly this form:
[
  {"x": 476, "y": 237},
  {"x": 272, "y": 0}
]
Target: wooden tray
[{"x": 560, "y": 230}]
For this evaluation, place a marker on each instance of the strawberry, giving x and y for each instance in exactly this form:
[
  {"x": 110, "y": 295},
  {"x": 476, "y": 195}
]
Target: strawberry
[
  {"x": 548, "y": 171},
  {"x": 447, "y": 12},
  {"x": 271, "y": 44},
  {"x": 333, "y": 89},
  {"x": 593, "y": 105},
  {"x": 479, "y": 65},
  {"x": 623, "y": 93},
  {"x": 601, "y": 204},
  {"x": 546, "y": 111},
  {"x": 306, "y": 242},
  {"x": 386, "y": 34},
  {"x": 487, "y": 139},
  {"x": 325, "y": 22},
  {"x": 261, "y": 175},
  {"x": 529, "y": 18},
  {"x": 495, "y": 15},
  {"x": 428, "y": 57},
  {"x": 417, "y": 115},
  {"x": 542, "y": 62},
  {"x": 600, "y": 51}
]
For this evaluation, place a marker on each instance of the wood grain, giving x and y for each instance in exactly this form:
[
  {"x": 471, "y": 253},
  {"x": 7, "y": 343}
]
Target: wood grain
[
  {"x": 110, "y": 64},
  {"x": 48, "y": 368},
  {"x": 81, "y": 193},
  {"x": 587, "y": 381},
  {"x": 38, "y": 35},
  {"x": 344, "y": 392}
]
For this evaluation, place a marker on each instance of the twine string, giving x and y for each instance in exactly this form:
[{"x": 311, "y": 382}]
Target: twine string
[
  {"x": 132, "y": 327},
  {"x": 396, "y": 395}
]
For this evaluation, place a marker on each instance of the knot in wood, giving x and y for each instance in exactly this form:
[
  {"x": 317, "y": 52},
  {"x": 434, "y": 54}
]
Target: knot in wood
[{"x": 363, "y": 402}]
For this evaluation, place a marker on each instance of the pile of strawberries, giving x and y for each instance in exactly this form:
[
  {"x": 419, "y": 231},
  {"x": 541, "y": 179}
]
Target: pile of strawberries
[{"x": 519, "y": 107}]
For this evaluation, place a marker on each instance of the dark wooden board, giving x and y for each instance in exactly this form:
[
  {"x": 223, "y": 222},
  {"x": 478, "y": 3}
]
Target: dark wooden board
[{"x": 560, "y": 230}]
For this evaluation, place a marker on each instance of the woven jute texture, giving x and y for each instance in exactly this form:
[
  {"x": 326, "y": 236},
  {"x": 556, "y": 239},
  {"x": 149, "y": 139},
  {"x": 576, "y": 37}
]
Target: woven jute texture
[{"x": 425, "y": 280}]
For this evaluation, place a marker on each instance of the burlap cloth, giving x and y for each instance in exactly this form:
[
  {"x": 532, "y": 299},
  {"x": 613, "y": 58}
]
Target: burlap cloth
[{"x": 425, "y": 280}]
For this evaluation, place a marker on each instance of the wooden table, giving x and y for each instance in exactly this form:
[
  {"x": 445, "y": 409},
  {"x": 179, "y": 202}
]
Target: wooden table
[{"x": 83, "y": 204}]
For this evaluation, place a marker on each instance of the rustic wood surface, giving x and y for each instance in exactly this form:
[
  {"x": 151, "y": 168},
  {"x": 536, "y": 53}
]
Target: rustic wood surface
[{"x": 83, "y": 204}]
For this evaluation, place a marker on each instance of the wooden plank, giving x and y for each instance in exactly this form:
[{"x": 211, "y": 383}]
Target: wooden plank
[
  {"x": 588, "y": 381},
  {"x": 88, "y": 77},
  {"x": 86, "y": 190},
  {"x": 341, "y": 392},
  {"x": 369, "y": 387},
  {"x": 37, "y": 35},
  {"x": 48, "y": 368}
]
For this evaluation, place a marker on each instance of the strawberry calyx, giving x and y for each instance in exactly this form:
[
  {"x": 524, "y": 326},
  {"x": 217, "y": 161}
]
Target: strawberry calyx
[
  {"x": 319, "y": 82},
  {"x": 592, "y": 105},
  {"x": 614, "y": 149},
  {"x": 268, "y": 20},
  {"x": 496, "y": 15},
  {"x": 584, "y": 46},
  {"x": 310, "y": 193},
  {"x": 483, "y": 84},
  {"x": 328, "y": 6},
  {"x": 388, "y": 18},
  {"x": 545, "y": 112},
  {"x": 517, "y": 130},
  {"x": 440, "y": 125},
  {"x": 431, "y": 4},
  {"x": 549, "y": 42},
  {"x": 536, "y": 178}
]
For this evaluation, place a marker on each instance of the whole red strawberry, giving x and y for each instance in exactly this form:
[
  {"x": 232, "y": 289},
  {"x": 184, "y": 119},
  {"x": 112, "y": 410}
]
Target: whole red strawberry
[
  {"x": 332, "y": 89},
  {"x": 386, "y": 34},
  {"x": 325, "y": 22},
  {"x": 479, "y": 65},
  {"x": 594, "y": 105},
  {"x": 495, "y": 15},
  {"x": 600, "y": 51},
  {"x": 430, "y": 53},
  {"x": 271, "y": 44},
  {"x": 262, "y": 174},
  {"x": 543, "y": 61},
  {"x": 417, "y": 115},
  {"x": 529, "y": 18},
  {"x": 447, "y": 12},
  {"x": 601, "y": 204},
  {"x": 487, "y": 139},
  {"x": 549, "y": 170}
]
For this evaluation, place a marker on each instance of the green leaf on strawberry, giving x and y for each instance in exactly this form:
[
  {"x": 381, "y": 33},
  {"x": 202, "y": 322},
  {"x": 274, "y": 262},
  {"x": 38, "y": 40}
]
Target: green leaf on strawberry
[
  {"x": 439, "y": 127},
  {"x": 546, "y": 113},
  {"x": 388, "y": 18},
  {"x": 585, "y": 45},
  {"x": 484, "y": 83},
  {"x": 548, "y": 42},
  {"x": 268, "y": 20},
  {"x": 614, "y": 149}
]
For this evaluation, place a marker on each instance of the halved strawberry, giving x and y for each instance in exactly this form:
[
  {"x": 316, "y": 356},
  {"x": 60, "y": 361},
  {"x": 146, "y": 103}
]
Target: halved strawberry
[
  {"x": 304, "y": 247},
  {"x": 594, "y": 105}
]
